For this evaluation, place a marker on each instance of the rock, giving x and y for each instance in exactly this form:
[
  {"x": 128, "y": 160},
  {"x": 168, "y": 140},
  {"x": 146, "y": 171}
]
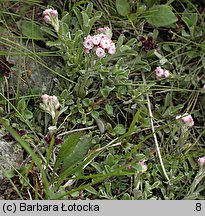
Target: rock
[{"x": 11, "y": 157}]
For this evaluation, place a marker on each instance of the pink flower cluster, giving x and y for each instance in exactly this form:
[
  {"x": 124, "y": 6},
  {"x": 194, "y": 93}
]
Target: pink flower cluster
[
  {"x": 50, "y": 104},
  {"x": 186, "y": 119},
  {"x": 161, "y": 73},
  {"x": 51, "y": 17},
  {"x": 101, "y": 43},
  {"x": 201, "y": 160},
  {"x": 48, "y": 14},
  {"x": 144, "y": 166}
]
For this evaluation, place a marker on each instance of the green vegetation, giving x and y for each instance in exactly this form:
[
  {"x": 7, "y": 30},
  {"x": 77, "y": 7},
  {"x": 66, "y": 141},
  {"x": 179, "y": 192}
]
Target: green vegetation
[{"x": 119, "y": 118}]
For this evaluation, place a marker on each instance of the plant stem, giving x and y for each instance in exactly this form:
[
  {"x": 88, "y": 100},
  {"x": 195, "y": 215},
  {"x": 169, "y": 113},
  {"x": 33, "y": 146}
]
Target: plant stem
[{"x": 153, "y": 130}]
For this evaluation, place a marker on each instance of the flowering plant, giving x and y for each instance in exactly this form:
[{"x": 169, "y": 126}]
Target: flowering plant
[
  {"x": 50, "y": 16},
  {"x": 201, "y": 161},
  {"x": 51, "y": 105},
  {"x": 101, "y": 43},
  {"x": 161, "y": 73},
  {"x": 186, "y": 119}
]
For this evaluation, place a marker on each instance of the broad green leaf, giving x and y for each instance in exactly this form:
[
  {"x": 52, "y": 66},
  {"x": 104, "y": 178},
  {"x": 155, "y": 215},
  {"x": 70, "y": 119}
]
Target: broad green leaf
[
  {"x": 86, "y": 102},
  {"x": 95, "y": 114},
  {"x": 30, "y": 29},
  {"x": 27, "y": 114},
  {"x": 73, "y": 169},
  {"x": 106, "y": 91},
  {"x": 120, "y": 129},
  {"x": 110, "y": 160},
  {"x": 137, "y": 166},
  {"x": 124, "y": 48},
  {"x": 79, "y": 151},
  {"x": 65, "y": 94},
  {"x": 67, "y": 148},
  {"x": 21, "y": 105},
  {"x": 77, "y": 37},
  {"x": 122, "y": 7},
  {"x": 160, "y": 16},
  {"x": 75, "y": 194},
  {"x": 109, "y": 109},
  {"x": 190, "y": 19}
]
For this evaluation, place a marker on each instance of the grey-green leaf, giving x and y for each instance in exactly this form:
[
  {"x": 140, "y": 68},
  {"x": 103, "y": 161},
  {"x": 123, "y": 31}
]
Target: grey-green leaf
[
  {"x": 30, "y": 29},
  {"x": 21, "y": 105},
  {"x": 123, "y": 7},
  {"x": 101, "y": 125},
  {"x": 160, "y": 16},
  {"x": 27, "y": 114},
  {"x": 120, "y": 129},
  {"x": 79, "y": 151},
  {"x": 67, "y": 148}
]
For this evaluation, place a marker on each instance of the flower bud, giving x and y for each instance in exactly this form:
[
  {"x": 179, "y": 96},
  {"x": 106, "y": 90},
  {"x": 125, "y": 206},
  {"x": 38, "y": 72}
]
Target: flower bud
[
  {"x": 201, "y": 161},
  {"x": 50, "y": 104},
  {"x": 143, "y": 165},
  {"x": 186, "y": 119}
]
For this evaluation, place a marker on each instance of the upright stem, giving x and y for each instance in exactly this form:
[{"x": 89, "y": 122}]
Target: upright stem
[{"x": 153, "y": 130}]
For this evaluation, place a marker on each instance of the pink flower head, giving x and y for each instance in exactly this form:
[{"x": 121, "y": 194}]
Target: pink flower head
[
  {"x": 201, "y": 160},
  {"x": 45, "y": 97},
  {"x": 144, "y": 166},
  {"x": 96, "y": 39},
  {"x": 88, "y": 44},
  {"x": 50, "y": 11},
  {"x": 100, "y": 30},
  {"x": 106, "y": 30},
  {"x": 101, "y": 42},
  {"x": 55, "y": 102},
  {"x": 54, "y": 12},
  {"x": 105, "y": 42},
  {"x": 166, "y": 73},
  {"x": 186, "y": 119},
  {"x": 112, "y": 49},
  {"x": 100, "y": 52},
  {"x": 50, "y": 104},
  {"x": 47, "y": 11},
  {"x": 47, "y": 19},
  {"x": 50, "y": 16},
  {"x": 54, "y": 98},
  {"x": 159, "y": 72}
]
